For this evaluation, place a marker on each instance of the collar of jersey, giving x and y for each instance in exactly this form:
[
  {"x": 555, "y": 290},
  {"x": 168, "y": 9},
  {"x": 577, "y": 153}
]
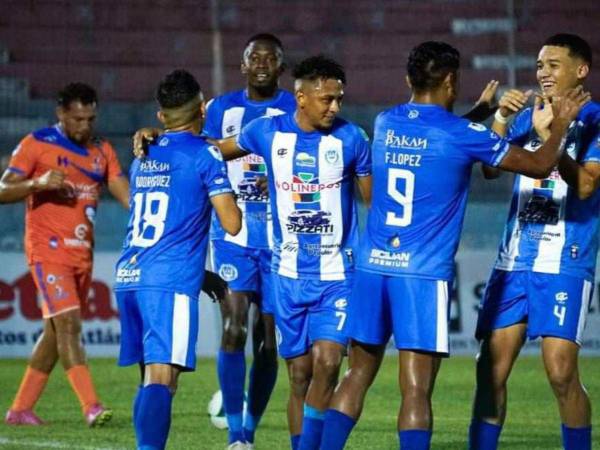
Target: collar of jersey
[{"x": 55, "y": 136}]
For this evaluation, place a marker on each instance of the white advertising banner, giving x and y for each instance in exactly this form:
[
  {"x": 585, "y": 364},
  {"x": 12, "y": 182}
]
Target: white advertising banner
[{"x": 20, "y": 316}]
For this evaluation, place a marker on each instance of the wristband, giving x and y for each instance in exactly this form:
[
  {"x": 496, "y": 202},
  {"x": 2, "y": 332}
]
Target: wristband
[{"x": 498, "y": 117}]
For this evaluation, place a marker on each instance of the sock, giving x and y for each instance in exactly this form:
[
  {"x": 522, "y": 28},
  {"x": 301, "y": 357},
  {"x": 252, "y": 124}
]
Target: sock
[
  {"x": 336, "y": 430},
  {"x": 153, "y": 416},
  {"x": 414, "y": 439},
  {"x": 136, "y": 402},
  {"x": 81, "y": 382},
  {"x": 576, "y": 438},
  {"x": 261, "y": 384},
  {"x": 295, "y": 441},
  {"x": 31, "y": 388},
  {"x": 231, "y": 367},
  {"x": 312, "y": 428},
  {"x": 483, "y": 435}
]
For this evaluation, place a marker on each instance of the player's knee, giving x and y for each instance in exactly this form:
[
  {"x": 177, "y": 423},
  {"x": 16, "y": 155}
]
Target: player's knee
[
  {"x": 299, "y": 380},
  {"x": 67, "y": 324},
  {"x": 561, "y": 378},
  {"x": 327, "y": 365},
  {"x": 234, "y": 334}
]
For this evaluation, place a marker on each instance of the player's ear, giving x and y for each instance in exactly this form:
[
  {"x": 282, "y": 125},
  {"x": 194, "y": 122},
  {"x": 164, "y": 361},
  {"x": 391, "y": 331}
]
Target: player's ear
[
  {"x": 583, "y": 70},
  {"x": 60, "y": 113},
  {"x": 408, "y": 83},
  {"x": 160, "y": 116},
  {"x": 244, "y": 68}
]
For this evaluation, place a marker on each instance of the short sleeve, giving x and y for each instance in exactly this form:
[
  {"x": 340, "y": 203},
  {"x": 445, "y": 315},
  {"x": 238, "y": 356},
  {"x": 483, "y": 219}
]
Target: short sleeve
[
  {"x": 252, "y": 135},
  {"x": 24, "y": 157},
  {"x": 482, "y": 144},
  {"x": 212, "y": 125},
  {"x": 113, "y": 170},
  {"x": 592, "y": 151},
  {"x": 518, "y": 133},
  {"x": 363, "y": 154},
  {"x": 213, "y": 171}
]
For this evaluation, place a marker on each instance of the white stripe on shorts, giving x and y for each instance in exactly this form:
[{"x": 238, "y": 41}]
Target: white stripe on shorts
[
  {"x": 583, "y": 310},
  {"x": 181, "y": 329},
  {"x": 441, "y": 334}
]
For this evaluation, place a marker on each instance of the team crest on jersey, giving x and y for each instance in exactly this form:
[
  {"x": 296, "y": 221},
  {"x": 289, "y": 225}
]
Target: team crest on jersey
[
  {"x": 215, "y": 152},
  {"x": 413, "y": 114},
  {"x": 163, "y": 141},
  {"x": 332, "y": 156},
  {"x": 228, "y": 272},
  {"x": 477, "y": 127},
  {"x": 395, "y": 241},
  {"x": 309, "y": 221}
]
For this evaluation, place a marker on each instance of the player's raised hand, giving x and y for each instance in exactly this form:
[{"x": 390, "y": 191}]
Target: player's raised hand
[
  {"x": 512, "y": 102},
  {"x": 52, "y": 180},
  {"x": 142, "y": 138},
  {"x": 542, "y": 115},
  {"x": 567, "y": 107},
  {"x": 488, "y": 95}
]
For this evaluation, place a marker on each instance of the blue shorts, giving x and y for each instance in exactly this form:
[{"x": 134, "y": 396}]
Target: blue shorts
[
  {"x": 415, "y": 310},
  {"x": 551, "y": 305},
  {"x": 158, "y": 327},
  {"x": 245, "y": 270},
  {"x": 309, "y": 310}
]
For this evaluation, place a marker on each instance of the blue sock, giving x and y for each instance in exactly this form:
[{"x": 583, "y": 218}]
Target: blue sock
[
  {"x": 312, "y": 428},
  {"x": 577, "y": 438},
  {"x": 154, "y": 416},
  {"x": 414, "y": 439},
  {"x": 261, "y": 384},
  {"x": 336, "y": 430},
  {"x": 136, "y": 402},
  {"x": 295, "y": 441},
  {"x": 231, "y": 367},
  {"x": 483, "y": 435}
]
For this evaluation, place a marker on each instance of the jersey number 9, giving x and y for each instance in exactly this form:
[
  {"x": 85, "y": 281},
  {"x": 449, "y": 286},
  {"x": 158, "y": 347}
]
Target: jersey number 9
[{"x": 404, "y": 199}]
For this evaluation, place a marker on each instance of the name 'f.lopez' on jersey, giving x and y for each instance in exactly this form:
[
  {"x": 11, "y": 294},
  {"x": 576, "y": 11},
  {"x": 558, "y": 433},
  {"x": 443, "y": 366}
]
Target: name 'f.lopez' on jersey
[
  {"x": 422, "y": 159},
  {"x": 311, "y": 188},
  {"x": 549, "y": 229},
  {"x": 225, "y": 117},
  {"x": 167, "y": 234}
]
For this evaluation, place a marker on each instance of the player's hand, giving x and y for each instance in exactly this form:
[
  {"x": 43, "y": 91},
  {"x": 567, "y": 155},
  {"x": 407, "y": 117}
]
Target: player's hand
[
  {"x": 142, "y": 138},
  {"x": 262, "y": 183},
  {"x": 542, "y": 116},
  {"x": 488, "y": 95},
  {"x": 214, "y": 286},
  {"x": 567, "y": 107},
  {"x": 49, "y": 181},
  {"x": 513, "y": 101}
]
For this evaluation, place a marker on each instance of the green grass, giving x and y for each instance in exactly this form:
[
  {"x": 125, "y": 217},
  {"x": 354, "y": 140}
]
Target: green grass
[{"x": 533, "y": 421}]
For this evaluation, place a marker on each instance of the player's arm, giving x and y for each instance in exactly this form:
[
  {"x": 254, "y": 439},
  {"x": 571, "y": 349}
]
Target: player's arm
[
  {"x": 539, "y": 164},
  {"x": 229, "y": 148},
  {"x": 484, "y": 106},
  {"x": 119, "y": 189},
  {"x": 510, "y": 103},
  {"x": 584, "y": 178},
  {"x": 15, "y": 187},
  {"x": 228, "y": 212},
  {"x": 365, "y": 184}
]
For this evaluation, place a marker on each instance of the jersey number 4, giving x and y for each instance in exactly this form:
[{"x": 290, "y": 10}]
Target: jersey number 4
[
  {"x": 405, "y": 199},
  {"x": 149, "y": 214}
]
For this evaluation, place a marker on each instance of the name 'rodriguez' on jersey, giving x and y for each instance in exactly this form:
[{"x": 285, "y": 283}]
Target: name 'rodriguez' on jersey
[
  {"x": 311, "y": 186},
  {"x": 422, "y": 159}
]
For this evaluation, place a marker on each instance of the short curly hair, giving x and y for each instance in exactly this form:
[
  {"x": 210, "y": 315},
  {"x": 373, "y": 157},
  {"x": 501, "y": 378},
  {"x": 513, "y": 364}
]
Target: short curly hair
[
  {"x": 319, "y": 67},
  {"x": 176, "y": 89},
  {"x": 429, "y": 63}
]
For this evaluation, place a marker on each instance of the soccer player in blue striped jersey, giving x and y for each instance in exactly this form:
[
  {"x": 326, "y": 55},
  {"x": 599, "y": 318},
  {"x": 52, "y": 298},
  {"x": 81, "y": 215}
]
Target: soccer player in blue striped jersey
[
  {"x": 244, "y": 260},
  {"x": 543, "y": 279},
  {"x": 313, "y": 159},
  {"x": 161, "y": 268},
  {"x": 422, "y": 160}
]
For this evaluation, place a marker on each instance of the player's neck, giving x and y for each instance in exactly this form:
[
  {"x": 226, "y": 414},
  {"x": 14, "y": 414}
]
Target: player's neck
[
  {"x": 261, "y": 94},
  {"x": 430, "y": 98},
  {"x": 191, "y": 127}
]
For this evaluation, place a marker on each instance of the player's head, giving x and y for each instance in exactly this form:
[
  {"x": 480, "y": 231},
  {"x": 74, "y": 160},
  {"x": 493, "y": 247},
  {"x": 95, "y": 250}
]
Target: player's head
[
  {"x": 432, "y": 68},
  {"x": 181, "y": 101},
  {"x": 563, "y": 63},
  {"x": 319, "y": 89},
  {"x": 76, "y": 111},
  {"x": 262, "y": 61}
]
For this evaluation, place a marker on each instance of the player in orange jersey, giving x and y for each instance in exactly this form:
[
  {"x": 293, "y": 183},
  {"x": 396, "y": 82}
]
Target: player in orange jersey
[{"x": 59, "y": 171}]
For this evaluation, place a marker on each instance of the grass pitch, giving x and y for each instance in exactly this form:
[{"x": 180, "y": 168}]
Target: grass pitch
[{"x": 533, "y": 421}]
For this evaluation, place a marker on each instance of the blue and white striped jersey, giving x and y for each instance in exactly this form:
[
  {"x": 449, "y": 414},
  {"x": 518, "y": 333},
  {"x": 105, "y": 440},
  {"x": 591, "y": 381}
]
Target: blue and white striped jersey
[
  {"x": 167, "y": 234},
  {"x": 549, "y": 229},
  {"x": 311, "y": 186},
  {"x": 422, "y": 159},
  {"x": 225, "y": 117}
]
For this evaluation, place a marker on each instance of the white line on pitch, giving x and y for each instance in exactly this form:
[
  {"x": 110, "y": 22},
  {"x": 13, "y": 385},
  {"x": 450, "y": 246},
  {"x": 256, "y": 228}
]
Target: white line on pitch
[{"x": 52, "y": 444}]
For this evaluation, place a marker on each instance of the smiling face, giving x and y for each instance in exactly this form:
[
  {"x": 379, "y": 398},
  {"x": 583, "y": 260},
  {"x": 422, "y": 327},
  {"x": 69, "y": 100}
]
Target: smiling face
[
  {"x": 319, "y": 102},
  {"x": 262, "y": 64},
  {"x": 558, "y": 71}
]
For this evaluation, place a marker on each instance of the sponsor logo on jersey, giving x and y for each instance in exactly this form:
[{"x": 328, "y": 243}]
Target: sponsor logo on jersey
[
  {"x": 228, "y": 272},
  {"x": 389, "y": 259},
  {"x": 305, "y": 187},
  {"x": 151, "y": 165},
  {"x": 230, "y": 130},
  {"x": 309, "y": 221},
  {"x": 281, "y": 152},
  {"x": 125, "y": 275},
  {"x": 341, "y": 303},
  {"x": 561, "y": 297},
  {"x": 248, "y": 191},
  {"x": 303, "y": 159},
  {"x": 317, "y": 249},
  {"x": 404, "y": 142}
]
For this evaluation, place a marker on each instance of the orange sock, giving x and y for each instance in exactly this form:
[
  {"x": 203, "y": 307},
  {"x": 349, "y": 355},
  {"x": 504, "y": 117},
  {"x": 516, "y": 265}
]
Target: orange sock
[
  {"x": 32, "y": 386},
  {"x": 81, "y": 382}
]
